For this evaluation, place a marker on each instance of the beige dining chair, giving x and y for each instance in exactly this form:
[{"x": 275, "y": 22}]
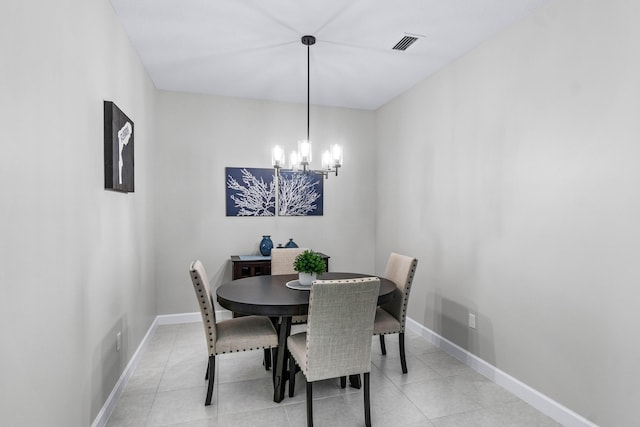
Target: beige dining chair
[
  {"x": 282, "y": 260},
  {"x": 227, "y": 336},
  {"x": 337, "y": 342},
  {"x": 391, "y": 317}
]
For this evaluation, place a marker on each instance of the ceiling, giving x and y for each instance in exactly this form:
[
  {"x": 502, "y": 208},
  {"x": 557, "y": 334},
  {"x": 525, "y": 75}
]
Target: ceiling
[{"x": 252, "y": 48}]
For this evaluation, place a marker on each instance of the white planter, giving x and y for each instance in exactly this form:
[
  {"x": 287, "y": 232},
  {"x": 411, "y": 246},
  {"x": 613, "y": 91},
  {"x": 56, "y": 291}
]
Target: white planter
[{"x": 306, "y": 278}]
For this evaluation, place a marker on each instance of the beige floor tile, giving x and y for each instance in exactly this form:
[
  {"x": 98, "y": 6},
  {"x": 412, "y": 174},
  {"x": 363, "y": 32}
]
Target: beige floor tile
[{"x": 168, "y": 389}]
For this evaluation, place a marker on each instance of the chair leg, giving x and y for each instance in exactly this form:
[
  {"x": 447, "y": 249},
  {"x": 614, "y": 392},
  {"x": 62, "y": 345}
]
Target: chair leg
[
  {"x": 267, "y": 359},
  {"x": 292, "y": 375},
  {"x": 403, "y": 358},
  {"x": 212, "y": 372},
  {"x": 309, "y": 404},
  {"x": 343, "y": 382},
  {"x": 354, "y": 381},
  {"x": 367, "y": 401},
  {"x": 383, "y": 348},
  {"x": 206, "y": 374}
]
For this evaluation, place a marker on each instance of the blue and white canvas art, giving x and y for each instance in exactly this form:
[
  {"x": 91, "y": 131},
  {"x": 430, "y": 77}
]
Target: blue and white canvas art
[
  {"x": 250, "y": 192},
  {"x": 300, "y": 194}
]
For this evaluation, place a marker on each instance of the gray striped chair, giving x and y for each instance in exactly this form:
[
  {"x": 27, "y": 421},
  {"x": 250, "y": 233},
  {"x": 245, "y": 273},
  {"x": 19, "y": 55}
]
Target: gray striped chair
[
  {"x": 337, "y": 342},
  {"x": 227, "y": 336},
  {"x": 391, "y": 317}
]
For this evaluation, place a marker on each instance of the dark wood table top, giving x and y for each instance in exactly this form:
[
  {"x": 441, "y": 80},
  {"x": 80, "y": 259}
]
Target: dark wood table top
[{"x": 269, "y": 296}]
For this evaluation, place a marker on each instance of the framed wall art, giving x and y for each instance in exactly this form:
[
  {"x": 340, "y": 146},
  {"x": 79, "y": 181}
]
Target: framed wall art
[
  {"x": 300, "y": 194},
  {"x": 250, "y": 192},
  {"x": 118, "y": 149}
]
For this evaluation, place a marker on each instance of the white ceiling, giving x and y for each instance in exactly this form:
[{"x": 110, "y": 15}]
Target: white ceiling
[{"x": 252, "y": 48}]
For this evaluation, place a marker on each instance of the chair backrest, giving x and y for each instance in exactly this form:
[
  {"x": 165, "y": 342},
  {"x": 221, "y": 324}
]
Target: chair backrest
[
  {"x": 282, "y": 260},
  {"x": 201, "y": 287},
  {"x": 339, "y": 327},
  {"x": 400, "y": 270}
]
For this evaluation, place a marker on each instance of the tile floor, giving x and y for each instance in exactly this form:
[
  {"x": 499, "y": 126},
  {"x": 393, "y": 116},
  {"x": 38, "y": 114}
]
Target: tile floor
[{"x": 168, "y": 389}]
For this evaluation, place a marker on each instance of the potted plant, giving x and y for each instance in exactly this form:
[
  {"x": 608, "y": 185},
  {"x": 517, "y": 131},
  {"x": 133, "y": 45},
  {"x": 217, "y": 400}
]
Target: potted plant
[{"x": 308, "y": 265}]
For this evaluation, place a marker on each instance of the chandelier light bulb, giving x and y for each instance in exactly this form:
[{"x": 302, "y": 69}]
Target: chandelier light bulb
[
  {"x": 294, "y": 163},
  {"x": 326, "y": 160},
  {"x": 304, "y": 151},
  {"x": 336, "y": 155},
  {"x": 277, "y": 157}
]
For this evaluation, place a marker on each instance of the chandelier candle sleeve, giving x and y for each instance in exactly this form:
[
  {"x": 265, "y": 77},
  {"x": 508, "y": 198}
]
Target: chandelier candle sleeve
[
  {"x": 277, "y": 157},
  {"x": 336, "y": 155},
  {"x": 326, "y": 160},
  {"x": 332, "y": 158},
  {"x": 304, "y": 151},
  {"x": 293, "y": 161}
]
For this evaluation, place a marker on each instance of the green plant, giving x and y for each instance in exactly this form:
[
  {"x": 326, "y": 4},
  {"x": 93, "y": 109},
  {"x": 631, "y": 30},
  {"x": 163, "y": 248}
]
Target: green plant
[{"x": 309, "y": 262}]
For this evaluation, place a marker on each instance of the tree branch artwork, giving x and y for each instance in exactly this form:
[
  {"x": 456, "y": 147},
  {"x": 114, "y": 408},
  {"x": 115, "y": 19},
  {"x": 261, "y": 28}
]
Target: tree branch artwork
[
  {"x": 251, "y": 192},
  {"x": 300, "y": 194}
]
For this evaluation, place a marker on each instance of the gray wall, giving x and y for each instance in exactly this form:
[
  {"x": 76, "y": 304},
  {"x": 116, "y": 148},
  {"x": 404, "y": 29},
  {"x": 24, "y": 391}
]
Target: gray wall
[
  {"x": 198, "y": 136},
  {"x": 76, "y": 261},
  {"x": 514, "y": 176}
]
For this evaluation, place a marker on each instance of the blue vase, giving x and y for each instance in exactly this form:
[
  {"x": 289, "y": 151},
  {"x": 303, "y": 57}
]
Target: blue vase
[
  {"x": 291, "y": 244},
  {"x": 266, "y": 245}
]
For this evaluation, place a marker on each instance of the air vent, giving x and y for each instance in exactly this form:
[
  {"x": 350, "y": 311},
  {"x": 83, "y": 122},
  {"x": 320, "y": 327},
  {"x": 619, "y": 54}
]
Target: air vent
[{"x": 407, "y": 41}]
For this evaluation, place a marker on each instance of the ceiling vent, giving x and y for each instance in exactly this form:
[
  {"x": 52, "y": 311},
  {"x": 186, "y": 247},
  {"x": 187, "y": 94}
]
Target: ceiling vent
[{"x": 406, "y": 41}]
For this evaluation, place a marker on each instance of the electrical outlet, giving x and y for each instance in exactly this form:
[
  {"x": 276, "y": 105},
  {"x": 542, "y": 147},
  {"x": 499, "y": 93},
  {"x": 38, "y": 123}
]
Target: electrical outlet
[
  {"x": 472, "y": 320},
  {"x": 118, "y": 341}
]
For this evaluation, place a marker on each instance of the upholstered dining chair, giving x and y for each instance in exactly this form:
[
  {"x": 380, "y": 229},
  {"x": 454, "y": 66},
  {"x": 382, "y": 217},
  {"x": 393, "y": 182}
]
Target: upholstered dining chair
[
  {"x": 337, "y": 342},
  {"x": 282, "y": 260},
  {"x": 282, "y": 263},
  {"x": 227, "y": 336},
  {"x": 391, "y": 317}
]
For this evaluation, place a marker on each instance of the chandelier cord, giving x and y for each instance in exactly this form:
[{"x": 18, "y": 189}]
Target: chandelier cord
[{"x": 308, "y": 84}]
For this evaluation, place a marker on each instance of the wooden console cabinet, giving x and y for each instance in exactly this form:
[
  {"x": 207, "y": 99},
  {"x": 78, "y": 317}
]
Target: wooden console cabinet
[{"x": 256, "y": 265}]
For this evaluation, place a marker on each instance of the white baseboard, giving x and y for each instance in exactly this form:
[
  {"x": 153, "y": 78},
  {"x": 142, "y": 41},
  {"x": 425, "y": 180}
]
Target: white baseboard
[
  {"x": 114, "y": 396},
  {"x": 195, "y": 317},
  {"x": 542, "y": 403},
  {"x": 165, "y": 319},
  {"x": 176, "y": 319}
]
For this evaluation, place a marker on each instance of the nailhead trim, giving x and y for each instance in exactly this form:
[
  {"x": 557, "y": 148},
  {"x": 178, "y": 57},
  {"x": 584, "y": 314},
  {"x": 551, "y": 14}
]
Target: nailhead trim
[
  {"x": 406, "y": 291},
  {"x": 209, "y": 318}
]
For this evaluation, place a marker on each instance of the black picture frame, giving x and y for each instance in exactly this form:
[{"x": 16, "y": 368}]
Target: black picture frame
[{"x": 118, "y": 149}]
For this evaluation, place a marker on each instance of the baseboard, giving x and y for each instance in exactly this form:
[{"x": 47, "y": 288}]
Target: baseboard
[
  {"x": 175, "y": 319},
  {"x": 544, "y": 404},
  {"x": 114, "y": 396},
  {"x": 165, "y": 319}
]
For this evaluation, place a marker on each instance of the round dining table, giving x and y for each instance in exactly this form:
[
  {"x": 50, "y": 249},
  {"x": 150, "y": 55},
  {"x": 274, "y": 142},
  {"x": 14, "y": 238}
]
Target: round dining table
[{"x": 269, "y": 296}]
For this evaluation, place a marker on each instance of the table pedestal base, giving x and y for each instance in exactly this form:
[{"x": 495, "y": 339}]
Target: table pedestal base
[{"x": 280, "y": 373}]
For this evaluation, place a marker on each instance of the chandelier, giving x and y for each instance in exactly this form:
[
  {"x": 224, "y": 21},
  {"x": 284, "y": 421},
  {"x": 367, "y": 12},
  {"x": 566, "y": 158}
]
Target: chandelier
[{"x": 300, "y": 160}]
